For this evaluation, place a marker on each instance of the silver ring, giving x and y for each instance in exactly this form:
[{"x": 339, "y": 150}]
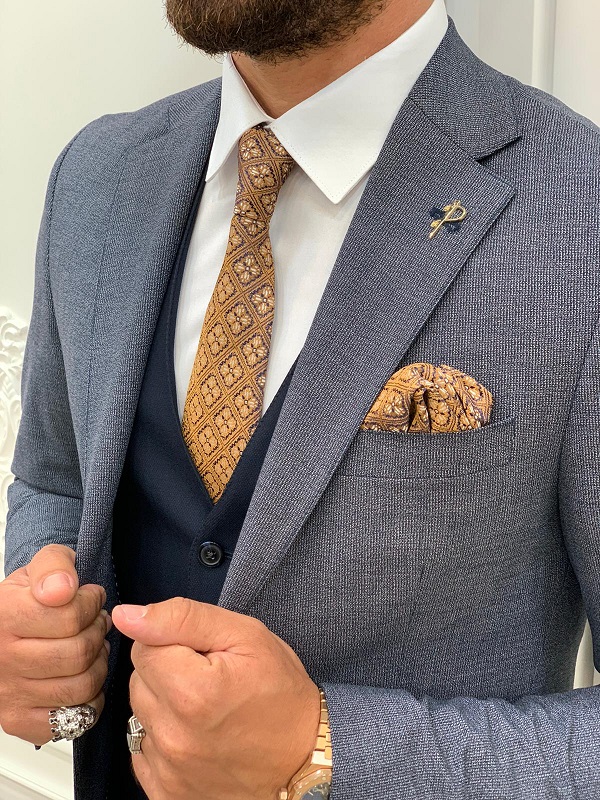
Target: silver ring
[
  {"x": 71, "y": 722},
  {"x": 135, "y": 735}
]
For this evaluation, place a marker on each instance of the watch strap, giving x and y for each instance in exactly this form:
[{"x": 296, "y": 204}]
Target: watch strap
[{"x": 321, "y": 757}]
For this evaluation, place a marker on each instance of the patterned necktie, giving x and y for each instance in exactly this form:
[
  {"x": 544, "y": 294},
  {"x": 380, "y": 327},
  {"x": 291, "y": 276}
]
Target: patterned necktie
[{"x": 225, "y": 395}]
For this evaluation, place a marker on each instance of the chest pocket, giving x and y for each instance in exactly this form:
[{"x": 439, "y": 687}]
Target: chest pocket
[{"x": 406, "y": 456}]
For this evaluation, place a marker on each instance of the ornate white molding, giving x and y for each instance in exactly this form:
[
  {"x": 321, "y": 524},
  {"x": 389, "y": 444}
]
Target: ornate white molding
[
  {"x": 24, "y": 775},
  {"x": 13, "y": 333}
]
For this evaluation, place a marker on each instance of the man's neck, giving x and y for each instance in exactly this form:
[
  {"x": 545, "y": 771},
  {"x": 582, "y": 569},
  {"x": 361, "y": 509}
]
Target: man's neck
[{"x": 279, "y": 87}]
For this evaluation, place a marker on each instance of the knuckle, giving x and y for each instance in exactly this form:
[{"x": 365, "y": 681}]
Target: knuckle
[
  {"x": 182, "y": 702},
  {"x": 85, "y": 653},
  {"x": 257, "y": 625},
  {"x": 184, "y": 614},
  {"x": 70, "y": 621},
  {"x": 182, "y": 609},
  {"x": 134, "y": 691},
  {"x": 100, "y": 671},
  {"x": 88, "y": 688},
  {"x": 56, "y": 550},
  {"x": 136, "y": 654},
  {"x": 168, "y": 779},
  {"x": 94, "y": 599},
  {"x": 81, "y": 689},
  {"x": 69, "y": 694},
  {"x": 174, "y": 754},
  {"x": 100, "y": 702},
  {"x": 255, "y": 629},
  {"x": 86, "y": 606}
]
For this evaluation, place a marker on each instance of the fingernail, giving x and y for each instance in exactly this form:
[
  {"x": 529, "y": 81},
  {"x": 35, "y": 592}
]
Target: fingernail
[
  {"x": 133, "y": 613},
  {"x": 107, "y": 645},
  {"x": 57, "y": 581}
]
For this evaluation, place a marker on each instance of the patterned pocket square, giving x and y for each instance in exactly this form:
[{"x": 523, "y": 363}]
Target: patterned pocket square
[{"x": 423, "y": 398}]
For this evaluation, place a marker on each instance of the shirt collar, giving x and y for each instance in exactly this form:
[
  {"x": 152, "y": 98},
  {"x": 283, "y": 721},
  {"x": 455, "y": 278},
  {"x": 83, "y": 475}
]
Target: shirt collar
[{"x": 336, "y": 135}]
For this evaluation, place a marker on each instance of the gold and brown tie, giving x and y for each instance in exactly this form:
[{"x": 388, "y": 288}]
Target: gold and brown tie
[{"x": 225, "y": 395}]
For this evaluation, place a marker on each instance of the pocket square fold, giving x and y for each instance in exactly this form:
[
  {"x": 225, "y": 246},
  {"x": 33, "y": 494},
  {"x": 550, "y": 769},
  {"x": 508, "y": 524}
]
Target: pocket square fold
[{"x": 424, "y": 398}]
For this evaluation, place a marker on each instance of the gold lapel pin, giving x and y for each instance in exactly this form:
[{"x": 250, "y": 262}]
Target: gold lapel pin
[{"x": 451, "y": 215}]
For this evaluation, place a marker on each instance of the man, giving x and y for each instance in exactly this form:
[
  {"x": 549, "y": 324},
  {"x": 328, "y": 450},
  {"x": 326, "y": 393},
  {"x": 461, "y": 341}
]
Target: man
[{"x": 399, "y": 519}]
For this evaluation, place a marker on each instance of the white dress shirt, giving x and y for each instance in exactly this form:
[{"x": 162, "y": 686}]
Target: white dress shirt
[{"x": 335, "y": 137}]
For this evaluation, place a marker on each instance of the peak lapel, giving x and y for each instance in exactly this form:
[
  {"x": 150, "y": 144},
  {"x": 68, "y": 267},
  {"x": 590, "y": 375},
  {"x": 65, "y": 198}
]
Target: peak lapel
[
  {"x": 151, "y": 207},
  {"x": 388, "y": 278}
]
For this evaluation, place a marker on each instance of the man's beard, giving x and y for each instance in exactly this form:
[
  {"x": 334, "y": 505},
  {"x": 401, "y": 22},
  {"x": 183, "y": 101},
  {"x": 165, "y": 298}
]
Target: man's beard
[{"x": 268, "y": 30}]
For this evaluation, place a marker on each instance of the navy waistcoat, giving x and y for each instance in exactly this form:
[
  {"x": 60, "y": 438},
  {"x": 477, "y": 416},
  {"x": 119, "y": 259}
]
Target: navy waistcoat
[{"x": 169, "y": 539}]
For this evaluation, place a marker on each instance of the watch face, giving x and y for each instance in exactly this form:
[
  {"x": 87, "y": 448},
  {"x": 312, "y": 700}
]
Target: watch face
[{"x": 319, "y": 792}]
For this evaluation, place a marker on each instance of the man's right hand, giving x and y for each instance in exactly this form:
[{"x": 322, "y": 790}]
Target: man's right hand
[{"x": 52, "y": 643}]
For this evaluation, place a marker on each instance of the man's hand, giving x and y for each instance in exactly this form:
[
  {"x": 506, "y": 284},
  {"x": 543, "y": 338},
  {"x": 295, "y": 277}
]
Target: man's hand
[
  {"x": 229, "y": 711},
  {"x": 52, "y": 649}
]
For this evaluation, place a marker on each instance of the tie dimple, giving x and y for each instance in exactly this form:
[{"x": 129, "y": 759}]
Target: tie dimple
[{"x": 225, "y": 394}]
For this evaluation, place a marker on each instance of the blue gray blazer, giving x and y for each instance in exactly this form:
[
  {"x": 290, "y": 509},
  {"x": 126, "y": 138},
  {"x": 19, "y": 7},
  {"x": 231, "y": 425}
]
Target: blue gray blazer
[{"x": 439, "y": 584}]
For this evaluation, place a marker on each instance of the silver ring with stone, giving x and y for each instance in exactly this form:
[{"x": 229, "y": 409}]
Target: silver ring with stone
[
  {"x": 135, "y": 735},
  {"x": 71, "y": 722}
]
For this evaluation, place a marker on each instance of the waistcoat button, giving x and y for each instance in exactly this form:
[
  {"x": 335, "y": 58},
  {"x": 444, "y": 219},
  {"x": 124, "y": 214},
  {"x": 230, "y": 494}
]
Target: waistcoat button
[{"x": 211, "y": 554}]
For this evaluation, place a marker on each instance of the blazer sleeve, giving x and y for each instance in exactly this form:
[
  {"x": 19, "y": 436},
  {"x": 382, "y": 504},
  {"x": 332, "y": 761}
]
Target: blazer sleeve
[
  {"x": 390, "y": 745},
  {"x": 45, "y": 499}
]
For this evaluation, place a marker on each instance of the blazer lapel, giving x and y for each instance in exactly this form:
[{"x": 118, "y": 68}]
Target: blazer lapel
[
  {"x": 388, "y": 278},
  {"x": 151, "y": 207}
]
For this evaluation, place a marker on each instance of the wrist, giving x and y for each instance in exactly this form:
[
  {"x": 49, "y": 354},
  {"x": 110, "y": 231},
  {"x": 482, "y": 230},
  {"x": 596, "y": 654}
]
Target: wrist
[{"x": 313, "y": 780}]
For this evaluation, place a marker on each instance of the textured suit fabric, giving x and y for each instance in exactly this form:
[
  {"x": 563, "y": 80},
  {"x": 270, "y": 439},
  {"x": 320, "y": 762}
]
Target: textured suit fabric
[{"x": 439, "y": 583}]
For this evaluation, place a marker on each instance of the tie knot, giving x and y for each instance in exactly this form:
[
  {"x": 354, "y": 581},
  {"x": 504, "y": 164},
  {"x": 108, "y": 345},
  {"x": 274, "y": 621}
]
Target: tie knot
[{"x": 264, "y": 165}]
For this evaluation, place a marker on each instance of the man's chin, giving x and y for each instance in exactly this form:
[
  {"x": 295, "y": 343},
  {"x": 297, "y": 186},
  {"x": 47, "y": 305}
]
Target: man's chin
[{"x": 269, "y": 31}]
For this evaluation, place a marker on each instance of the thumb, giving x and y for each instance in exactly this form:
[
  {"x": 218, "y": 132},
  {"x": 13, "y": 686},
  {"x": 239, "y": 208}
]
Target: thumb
[
  {"x": 52, "y": 576},
  {"x": 203, "y": 627}
]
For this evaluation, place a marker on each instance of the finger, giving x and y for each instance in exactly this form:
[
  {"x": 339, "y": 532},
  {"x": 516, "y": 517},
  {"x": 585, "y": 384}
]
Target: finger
[
  {"x": 58, "y": 658},
  {"x": 33, "y": 725},
  {"x": 146, "y": 708},
  {"x": 201, "y": 626},
  {"x": 31, "y": 619},
  {"x": 17, "y": 578},
  {"x": 71, "y": 691},
  {"x": 144, "y": 703},
  {"x": 52, "y": 575},
  {"x": 141, "y": 768}
]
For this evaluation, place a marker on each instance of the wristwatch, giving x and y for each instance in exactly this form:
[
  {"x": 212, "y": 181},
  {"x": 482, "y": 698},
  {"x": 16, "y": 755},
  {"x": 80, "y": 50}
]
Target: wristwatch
[{"x": 313, "y": 780}]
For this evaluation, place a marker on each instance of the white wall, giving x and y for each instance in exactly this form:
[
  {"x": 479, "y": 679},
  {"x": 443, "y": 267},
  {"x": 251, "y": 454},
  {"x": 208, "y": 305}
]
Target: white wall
[
  {"x": 62, "y": 64},
  {"x": 577, "y": 56},
  {"x": 551, "y": 44},
  {"x": 65, "y": 62}
]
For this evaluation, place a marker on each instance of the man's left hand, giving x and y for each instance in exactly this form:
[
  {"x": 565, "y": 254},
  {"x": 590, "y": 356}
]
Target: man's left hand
[{"x": 229, "y": 711}]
